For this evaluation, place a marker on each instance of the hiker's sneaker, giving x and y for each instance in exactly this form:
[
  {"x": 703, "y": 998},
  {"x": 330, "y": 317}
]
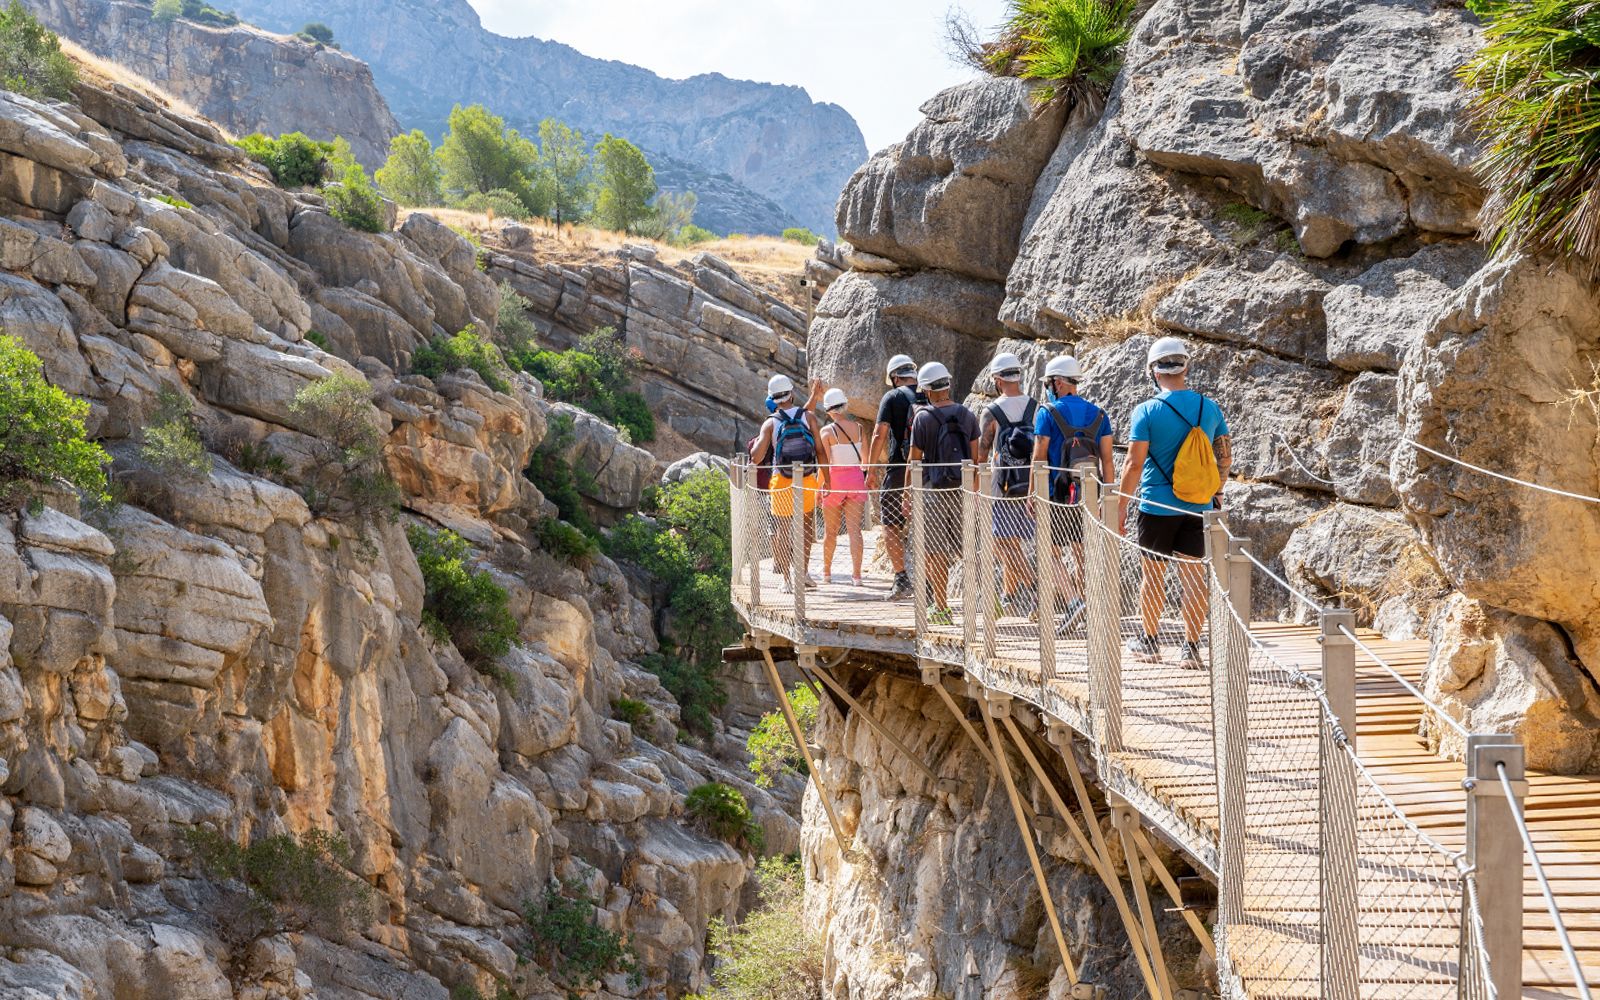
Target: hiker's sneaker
[
  {"x": 785, "y": 587},
  {"x": 1073, "y": 620},
  {"x": 1145, "y": 649},
  {"x": 901, "y": 589},
  {"x": 1192, "y": 658},
  {"x": 855, "y": 581},
  {"x": 811, "y": 582},
  {"x": 941, "y": 616}
]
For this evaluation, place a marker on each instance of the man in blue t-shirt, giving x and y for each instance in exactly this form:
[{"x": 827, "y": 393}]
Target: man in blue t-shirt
[
  {"x": 1070, "y": 433},
  {"x": 1170, "y": 529}
]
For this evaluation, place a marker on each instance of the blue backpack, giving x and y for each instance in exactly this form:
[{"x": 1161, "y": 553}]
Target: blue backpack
[{"x": 793, "y": 441}]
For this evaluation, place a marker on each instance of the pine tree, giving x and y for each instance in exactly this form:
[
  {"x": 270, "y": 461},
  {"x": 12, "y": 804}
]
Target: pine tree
[
  {"x": 627, "y": 184},
  {"x": 411, "y": 174}
]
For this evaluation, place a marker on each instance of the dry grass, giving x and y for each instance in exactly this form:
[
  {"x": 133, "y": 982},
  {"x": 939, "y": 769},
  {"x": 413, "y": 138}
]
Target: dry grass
[
  {"x": 104, "y": 73},
  {"x": 1104, "y": 331},
  {"x": 1579, "y": 398},
  {"x": 770, "y": 263}
]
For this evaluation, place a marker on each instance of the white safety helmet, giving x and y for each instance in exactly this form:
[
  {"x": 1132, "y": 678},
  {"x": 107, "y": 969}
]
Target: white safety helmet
[
  {"x": 780, "y": 385},
  {"x": 931, "y": 375},
  {"x": 900, "y": 366},
  {"x": 1006, "y": 366},
  {"x": 1065, "y": 366},
  {"x": 1170, "y": 355},
  {"x": 833, "y": 398}
]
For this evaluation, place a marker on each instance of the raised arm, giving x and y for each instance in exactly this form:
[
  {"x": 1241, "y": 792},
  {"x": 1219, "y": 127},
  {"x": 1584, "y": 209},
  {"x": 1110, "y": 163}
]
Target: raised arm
[
  {"x": 1138, "y": 451},
  {"x": 1108, "y": 458}
]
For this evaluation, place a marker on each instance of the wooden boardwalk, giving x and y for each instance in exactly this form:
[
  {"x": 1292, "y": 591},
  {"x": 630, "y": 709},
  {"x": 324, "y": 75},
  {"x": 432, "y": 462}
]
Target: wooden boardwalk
[{"x": 1168, "y": 753}]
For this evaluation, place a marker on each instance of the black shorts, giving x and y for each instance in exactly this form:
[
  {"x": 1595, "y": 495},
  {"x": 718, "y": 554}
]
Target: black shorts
[
  {"x": 1066, "y": 524},
  {"x": 892, "y": 500},
  {"x": 1172, "y": 534}
]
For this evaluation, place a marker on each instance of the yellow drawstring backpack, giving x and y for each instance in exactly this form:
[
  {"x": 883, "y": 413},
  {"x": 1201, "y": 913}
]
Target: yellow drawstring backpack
[{"x": 1194, "y": 476}]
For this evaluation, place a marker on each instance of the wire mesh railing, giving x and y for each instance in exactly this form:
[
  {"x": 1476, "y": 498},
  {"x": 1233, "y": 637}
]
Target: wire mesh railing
[{"x": 1240, "y": 753}]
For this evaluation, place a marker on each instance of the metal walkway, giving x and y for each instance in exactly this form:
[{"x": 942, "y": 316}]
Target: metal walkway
[{"x": 1288, "y": 762}]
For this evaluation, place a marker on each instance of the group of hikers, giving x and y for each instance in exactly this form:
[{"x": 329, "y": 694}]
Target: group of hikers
[{"x": 1178, "y": 456}]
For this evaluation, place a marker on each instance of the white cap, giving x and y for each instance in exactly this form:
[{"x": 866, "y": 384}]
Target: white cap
[
  {"x": 900, "y": 366},
  {"x": 1169, "y": 348},
  {"x": 832, "y": 398},
  {"x": 780, "y": 385},
  {"x": 932, "y": 372},
  {"x": 1065, "y": 366},
  {"x": 1007, "y": 366}
]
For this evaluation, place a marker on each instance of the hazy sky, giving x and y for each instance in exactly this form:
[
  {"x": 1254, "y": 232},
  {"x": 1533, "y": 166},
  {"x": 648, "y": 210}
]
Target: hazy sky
[{"x": 879, "y": 59}]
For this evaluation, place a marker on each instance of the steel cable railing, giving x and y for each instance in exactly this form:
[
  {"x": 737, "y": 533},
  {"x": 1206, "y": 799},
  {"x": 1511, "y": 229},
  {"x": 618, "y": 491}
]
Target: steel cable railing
[{"x": 1326, "y": 887}]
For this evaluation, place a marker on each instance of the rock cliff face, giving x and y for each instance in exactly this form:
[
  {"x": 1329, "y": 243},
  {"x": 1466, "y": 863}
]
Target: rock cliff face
[
  {"x": 706, "y": 337},
  {"x": 242, "y": 78},
  {"x": 429, "y": 55},
  {"x": 1288, "y": 186},
  {"x": 212, "y": 655}
]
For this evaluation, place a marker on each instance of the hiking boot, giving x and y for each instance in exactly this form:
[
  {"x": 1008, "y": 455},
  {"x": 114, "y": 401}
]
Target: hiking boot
[
  {"x": 941, "y": 616},
  {"x": 1073, "y": 620},
  {"x": 1192, "y": 658},
  {"x": 1144, "y": 649},
  {"x": 811, "y": 582},
  {"x": 901, "y": 589},
  {"x": 785, "y": 587}
]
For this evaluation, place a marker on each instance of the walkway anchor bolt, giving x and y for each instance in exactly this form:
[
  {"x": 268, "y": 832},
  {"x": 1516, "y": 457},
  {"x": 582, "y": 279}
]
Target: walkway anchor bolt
[{"x": 1087, "y": 991}]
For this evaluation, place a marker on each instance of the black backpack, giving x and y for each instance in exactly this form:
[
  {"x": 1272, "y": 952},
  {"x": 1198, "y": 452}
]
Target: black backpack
[
  {"x": 900, "y": 446},
  {"x": 1082, "y": 445},
  {"x": 793, "y": 441},
  {"x": 1013, "y": 451},
  {"x": 952, "y": 446}
]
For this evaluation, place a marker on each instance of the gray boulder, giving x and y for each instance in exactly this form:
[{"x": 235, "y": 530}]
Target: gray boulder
[
  {"x": 1277, "y": 309},
  {"x": 1362, "y": 440},
  {"x": 952, "y": 195},
  {"x": 1374, "y": 321},
  {"x": 699, "y": 462}
]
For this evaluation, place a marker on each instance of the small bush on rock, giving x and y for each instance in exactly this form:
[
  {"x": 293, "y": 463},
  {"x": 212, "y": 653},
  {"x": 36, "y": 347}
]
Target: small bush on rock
[
  {"x": 805, "y": 237},
  {"x": 773, "y": 953},
  {"x": 295, "y": 160},
  {"x": 772, "y": 748},
  {"x": 467, "y": 349},
  {"x": 721, "y": 811},
  {"x": 317, "y": 32},
  {"x": 292, "y": 883},
  {"x": 565, "y": 542},
  {"x": 351, "y": 197},
  {"x": 1074, "y": 47},
  {"x": 346, "y": 478},
  {"x": 594, "y": 375},
  {"x": 166, "y": 11},
  {"x": 204, "y": 13},
  {"x": 568, "y": 941},
  {"x": 692, "y": 234},
  {"x": 31, "y": 60},
  {"x": 461, "y": 604},
  {"x": 631, "y": 711},
  {"x": 497, "y": 204},
  {"x": 42, "y": 440},
  {"x": 556, "y": 478},
  {"x": 516, "y": 330},
  {"x": 170, "y": 444}
]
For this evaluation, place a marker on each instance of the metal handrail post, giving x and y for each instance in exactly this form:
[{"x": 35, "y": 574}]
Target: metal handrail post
[
  {"x": 1494, "y": 855},
  {"x": 986, "y": 595},
  {"x": 755, "y": 539},
  {"x": 969, "y": 558},
  {"x": 797, "y": 538},
  {"x": 1044, "y": 570},
  {"x": 1337, "y": 812},
  {"x": 1230, "y": 685},
  {"x": 1107, "y": 636},
  {"x": 917, "y": 559}
]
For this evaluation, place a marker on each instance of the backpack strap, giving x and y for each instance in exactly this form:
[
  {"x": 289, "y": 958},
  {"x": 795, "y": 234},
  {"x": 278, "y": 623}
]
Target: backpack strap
[
  {"x": 1191, "y": 424},
  {"x": 1068, "y": 431}
]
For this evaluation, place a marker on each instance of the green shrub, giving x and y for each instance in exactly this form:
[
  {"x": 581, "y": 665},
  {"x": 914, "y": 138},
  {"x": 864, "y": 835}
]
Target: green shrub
[
  {"x": 293, "y": 883},
  {"x": 774, "y": 953},
  {"x": 802, "y": 236},
  {"x": 295, "y": 160},
  {"x": 31, "y": 60},
  {"x": 516, "y": 330},
  {"x": 564, "y": 541},
  {"x": 173, "y": 201},
  {"x": 166, "y": 11},
  {"x": 170, "y": 443},
  {"x": 721, "y": 811},
  {"x": 771, "y": 746},
  {"x": 556, "y": 478},
  {"x": 461, "y": 604},
  {"x": 43, "y": 444},
  {"x": 594, "y": 375},
  {"x": 692, "y": 234},
  {"x": 318, "y": 339},
  {"x": 467, "y": 991},
  {"x": 467, "y": 349},
  {"x": 203, "y": 13},
  {"x": 351, "y": 197},
  {"x": 499, "y": 204},
  {"x": 631, "y": 711},
  {"x": 346, "y": 477},
  {"x": 567, "y": 939},
  {"x": 1074, "y": 47},
  {"x": 1538, "y": 109},
  {"x": 318, "y": 32}
]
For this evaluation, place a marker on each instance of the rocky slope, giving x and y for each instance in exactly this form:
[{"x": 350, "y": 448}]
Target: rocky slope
[
  {"x": 242, "y": 78},
  {"x": 1288, "y": 186},
  {"x": 211, "y": 655},
  {"x": 428, "y": 56}
]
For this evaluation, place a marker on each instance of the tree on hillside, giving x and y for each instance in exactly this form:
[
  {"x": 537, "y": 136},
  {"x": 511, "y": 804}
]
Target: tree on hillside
[
  {"x": 31, "y": 60},
  {"x": 669, "y": 215},
  {"x": 166, "y": 10},
  {"x": 627, "y": 184},
  {"x": 411, "y": 174},
  {"x": 479, "y": 154},
  {"x": 565, "y": 160}
]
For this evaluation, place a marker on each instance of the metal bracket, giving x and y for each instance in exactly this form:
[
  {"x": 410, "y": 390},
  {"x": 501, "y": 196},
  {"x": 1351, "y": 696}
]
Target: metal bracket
[
  {"x": 932, "y": 673},
  {"x": 1087, "y": 991},
  {"x": 999, "y": 704}
]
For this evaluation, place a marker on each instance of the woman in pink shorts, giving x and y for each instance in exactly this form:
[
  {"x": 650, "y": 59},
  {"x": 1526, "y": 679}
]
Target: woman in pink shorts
[{"x": 844, "y": 484}]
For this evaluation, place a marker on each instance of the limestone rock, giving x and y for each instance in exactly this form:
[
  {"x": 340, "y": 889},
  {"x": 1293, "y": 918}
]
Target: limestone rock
[
  {"x": 1362, "y": 439},
  {"x": 1523, "y": 329},
  {"x": 1278, "y": 309},
  {"x": 619, "y": 471},
  {"x": 1376, "y": 320},
  {"x": 952, "y": 194},
  {"x": 1497, "y": 672},
  {"x": 1349, "y": 553}
]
